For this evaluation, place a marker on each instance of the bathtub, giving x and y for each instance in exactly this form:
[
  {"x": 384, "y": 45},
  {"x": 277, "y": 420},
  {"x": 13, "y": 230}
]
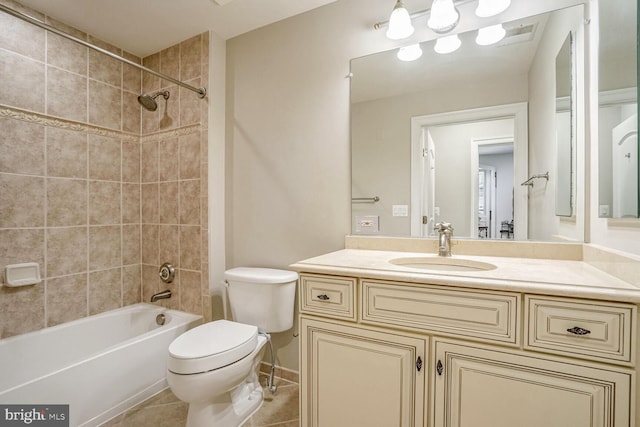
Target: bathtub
[{"x": 100, "y": 366}]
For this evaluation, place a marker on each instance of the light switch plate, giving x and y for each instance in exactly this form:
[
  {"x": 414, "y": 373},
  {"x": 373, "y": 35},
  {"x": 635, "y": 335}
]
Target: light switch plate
[
  {"x": 400, "y": 210},
  {"x": 367, "y": 224}
]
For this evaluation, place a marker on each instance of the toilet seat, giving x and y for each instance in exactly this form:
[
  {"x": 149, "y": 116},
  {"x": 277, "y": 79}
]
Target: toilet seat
[{"x": 211, "y": 346}]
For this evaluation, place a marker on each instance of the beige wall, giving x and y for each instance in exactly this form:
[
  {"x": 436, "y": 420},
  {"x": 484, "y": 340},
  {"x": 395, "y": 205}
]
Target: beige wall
[{"x": 70, "y": 177}]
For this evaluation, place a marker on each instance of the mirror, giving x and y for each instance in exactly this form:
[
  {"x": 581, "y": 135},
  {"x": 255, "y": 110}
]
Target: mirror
[
  {"x": 618, "y": 113},
  {"x": 395, "y": 103},
  {"x": 565, "y": 144}
]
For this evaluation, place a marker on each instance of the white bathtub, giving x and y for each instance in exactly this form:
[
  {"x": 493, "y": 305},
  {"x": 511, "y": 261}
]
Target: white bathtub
[{"x": 100, "y": 365}]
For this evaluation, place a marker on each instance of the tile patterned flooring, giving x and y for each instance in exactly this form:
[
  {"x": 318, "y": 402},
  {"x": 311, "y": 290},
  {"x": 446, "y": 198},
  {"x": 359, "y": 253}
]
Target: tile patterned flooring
[{"x": 166, "y": 410}]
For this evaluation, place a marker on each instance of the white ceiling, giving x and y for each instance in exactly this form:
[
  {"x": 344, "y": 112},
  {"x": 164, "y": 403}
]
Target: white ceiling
[{"x": 143, "y": 27}]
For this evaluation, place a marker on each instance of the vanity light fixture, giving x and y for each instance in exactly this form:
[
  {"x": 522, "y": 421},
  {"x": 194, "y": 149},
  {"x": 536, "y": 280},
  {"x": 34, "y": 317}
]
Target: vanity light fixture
[
  {"x": 490, "y": 35},
  {"x": 487, "y": 8},
  {"x": 447, "y": 44},
  {"x": 409, "y": 53},
  {"x": 399, "y": 23},
  {"x": 444, "y": 16}
]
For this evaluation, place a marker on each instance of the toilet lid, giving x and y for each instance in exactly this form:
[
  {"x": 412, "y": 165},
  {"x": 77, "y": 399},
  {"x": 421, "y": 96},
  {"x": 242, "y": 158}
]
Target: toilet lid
[{"x": 211, "y": 346}]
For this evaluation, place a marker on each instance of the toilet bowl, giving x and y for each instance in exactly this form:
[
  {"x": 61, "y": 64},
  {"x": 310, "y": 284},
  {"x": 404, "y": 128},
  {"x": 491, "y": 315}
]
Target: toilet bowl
[{"x": 214, "y": 367}]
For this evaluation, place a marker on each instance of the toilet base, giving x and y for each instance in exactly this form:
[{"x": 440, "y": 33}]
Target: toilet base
[{"x": 227, "y": 410}]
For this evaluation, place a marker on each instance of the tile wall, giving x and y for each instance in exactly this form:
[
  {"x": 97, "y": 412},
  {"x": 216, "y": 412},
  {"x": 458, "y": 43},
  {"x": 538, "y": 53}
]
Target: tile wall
[{"x": 98, "y": 194}]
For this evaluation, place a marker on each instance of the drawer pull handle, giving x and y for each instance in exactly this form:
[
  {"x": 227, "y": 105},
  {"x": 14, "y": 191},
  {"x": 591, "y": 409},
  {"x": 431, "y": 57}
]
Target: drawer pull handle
[
  {"x": 323, "y": 297},
  {"x": 578, "y": 331}
]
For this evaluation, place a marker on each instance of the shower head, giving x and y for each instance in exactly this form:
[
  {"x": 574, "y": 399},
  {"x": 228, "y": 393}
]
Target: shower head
[{"x": 149, "y": 101}]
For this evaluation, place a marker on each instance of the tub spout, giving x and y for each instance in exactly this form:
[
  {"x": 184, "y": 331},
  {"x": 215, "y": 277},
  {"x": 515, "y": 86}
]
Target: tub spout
[{"x": 161, "y": 295}]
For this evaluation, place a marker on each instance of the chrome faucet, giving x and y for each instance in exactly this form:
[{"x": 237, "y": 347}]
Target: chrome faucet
[
  {"x": 161, "y": 295},
  {"x": 445, "y": 231}
]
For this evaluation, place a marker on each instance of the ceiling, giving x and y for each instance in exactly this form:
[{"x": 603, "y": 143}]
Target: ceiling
[{"x": 143, "y": 27}]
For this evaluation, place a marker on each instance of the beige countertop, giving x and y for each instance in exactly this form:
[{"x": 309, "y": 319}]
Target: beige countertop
[{"x": 540, "y": 276}]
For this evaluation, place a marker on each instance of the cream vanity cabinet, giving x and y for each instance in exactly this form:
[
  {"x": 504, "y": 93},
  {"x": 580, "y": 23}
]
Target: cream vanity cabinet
[{"x": 388, "y": 353}]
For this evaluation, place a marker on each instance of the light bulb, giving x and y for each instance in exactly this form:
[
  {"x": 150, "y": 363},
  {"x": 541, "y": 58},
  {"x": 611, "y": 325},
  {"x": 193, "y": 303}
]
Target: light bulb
[
  {"x": 444, "y": 16},
  {"x": 399, "y": 23},
  {"x": 410, "y": 53},
  {"x": 447, "y": 44},
  {"x": 490, "y": 35},
  {"x": 487, "y": 8}
]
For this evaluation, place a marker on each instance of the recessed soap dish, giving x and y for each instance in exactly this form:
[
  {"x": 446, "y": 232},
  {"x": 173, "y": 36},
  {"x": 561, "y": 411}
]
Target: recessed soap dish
[{"x": 24, "y": 274}]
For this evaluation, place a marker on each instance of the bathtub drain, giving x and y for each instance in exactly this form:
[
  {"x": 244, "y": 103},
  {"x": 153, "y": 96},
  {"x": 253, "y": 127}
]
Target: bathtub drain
[{"x": 160, "y": 319}]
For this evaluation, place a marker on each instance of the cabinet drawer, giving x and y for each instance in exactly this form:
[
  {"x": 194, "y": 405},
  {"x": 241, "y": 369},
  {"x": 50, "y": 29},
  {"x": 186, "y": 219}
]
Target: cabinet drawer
[
  {"x": 328, "y": 296},
  {"x": 581, "y": 328},
  {"x": 487, "y": 316}
]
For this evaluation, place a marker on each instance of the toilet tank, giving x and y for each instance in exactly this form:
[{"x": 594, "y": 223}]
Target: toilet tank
[{"x": 263, "y": 297}]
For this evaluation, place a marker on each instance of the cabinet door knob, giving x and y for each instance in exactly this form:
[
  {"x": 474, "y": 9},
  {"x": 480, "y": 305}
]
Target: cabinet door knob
[
  {"x": 323, "y": 297},
  {"x": 576, "y": 330},
  {"x": 439, "y": 367}
]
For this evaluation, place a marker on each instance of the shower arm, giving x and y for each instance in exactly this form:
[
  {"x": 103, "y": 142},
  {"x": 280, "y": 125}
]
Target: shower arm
[{"x": 202, "y": 92}]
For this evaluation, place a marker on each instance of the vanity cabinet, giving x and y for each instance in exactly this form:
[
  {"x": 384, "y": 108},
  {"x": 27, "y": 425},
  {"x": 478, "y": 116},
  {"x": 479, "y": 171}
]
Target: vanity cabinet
[{"x": 391, "y": 353}]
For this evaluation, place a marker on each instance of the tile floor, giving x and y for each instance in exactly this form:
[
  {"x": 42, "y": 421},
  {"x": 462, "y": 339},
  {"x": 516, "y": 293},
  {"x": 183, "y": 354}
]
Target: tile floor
[{"x": 165, "y": 410}]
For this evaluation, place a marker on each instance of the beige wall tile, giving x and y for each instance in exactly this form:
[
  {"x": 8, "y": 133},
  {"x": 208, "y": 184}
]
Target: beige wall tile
[
  {"x": 150, "y": 203},
  {"x": 130, "y": 113},
  {"x": 190, "y": 202},
  {"x": 105, "y": 105},
  {"x": 169, "y": 109},
  {"x": 169, "y": 202},
  {"x": 21, "y": 245},
  {"x": 22, "y": 201},
  {"x": 149, "y": 161},
  {"x": 66, "y": 95},
  {"x": 170, "y": 62},
  {"x": 190, "y": 156},
  {"x": 130, "y": 203},
  {"x": 66, "y": 202},
  {"x": 66, "y": 299},
  {"x": 150, "y": 121},
  {"x": 191, "y": 55},
  {"x": 151, "y": 83},
  {"x": 105, "y": 290},
  {"x": 67, "y": 251},
  {"x": 131, "y": 284},
  {"x": 190, "y": 295},
  {"x": 150, "y": 244},
  {"x": 130, "y": 161},
  {"x": 67, "y": 153},
  {"x": 190, "y": 247},
  {"x": 190, "y": 105},
  {"x": 131, "y": 237},
  {"x": 21, "y": 310},
  {"x": 132, "y": 76},
  {"x": 104, "y": 203},
  {"x": 169, "y": 244},
  {"x": 105, "y": 248},
  {"x": 167, "y": 157},
  {"x": 64, "y": 53},
  {"x": 151, "y": 282},
  {"x": 21, "y": 147},
  {"x": 24, "y": 87},
  {"x": 21, "y": 37},
  {"x": 104, "y": 68},
  {"x": 105, "y": 158}
]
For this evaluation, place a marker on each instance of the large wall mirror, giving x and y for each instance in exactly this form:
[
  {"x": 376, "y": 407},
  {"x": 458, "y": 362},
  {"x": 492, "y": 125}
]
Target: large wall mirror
[
  {"x": 618, "y": 113},
  {"x": 470, "y": 137}
]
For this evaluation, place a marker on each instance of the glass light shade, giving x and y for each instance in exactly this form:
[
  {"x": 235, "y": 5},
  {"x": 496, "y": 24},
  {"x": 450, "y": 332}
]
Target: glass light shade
[
  {"x": 399, "y": 23},
  {"x": 487, "y": 8},
  {"x": 444, "y": 16},
  {"x": 410, "y": 53},
  {"x": 490, "y": 35},
  {"x": 447, "y": 44}
]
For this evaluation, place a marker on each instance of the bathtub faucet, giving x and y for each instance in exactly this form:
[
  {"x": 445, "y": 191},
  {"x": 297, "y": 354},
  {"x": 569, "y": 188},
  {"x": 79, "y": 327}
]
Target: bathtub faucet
[
  {"x": 445, "y": 230},
  {"x": 161, "y": 295}
]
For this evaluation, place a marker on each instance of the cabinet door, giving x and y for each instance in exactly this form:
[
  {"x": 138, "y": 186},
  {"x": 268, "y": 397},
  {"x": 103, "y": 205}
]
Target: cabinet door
[
  {"x": 354, "y": 377},
  {"x": 480, "y": 387}
]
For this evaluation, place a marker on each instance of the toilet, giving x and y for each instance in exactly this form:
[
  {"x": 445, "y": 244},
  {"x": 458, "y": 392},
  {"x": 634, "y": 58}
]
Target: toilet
[{"x": 214, "y": 367}]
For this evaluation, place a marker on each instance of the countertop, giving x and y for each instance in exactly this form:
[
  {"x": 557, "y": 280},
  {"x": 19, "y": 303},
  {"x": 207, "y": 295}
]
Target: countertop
[{"x": 539, "y": 276}]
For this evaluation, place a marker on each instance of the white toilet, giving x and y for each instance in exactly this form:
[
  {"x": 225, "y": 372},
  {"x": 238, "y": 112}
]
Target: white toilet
[{"x": 214, "y": 367}]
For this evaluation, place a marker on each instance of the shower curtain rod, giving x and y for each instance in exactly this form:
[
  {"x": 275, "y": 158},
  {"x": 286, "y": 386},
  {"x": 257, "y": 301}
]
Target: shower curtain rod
[{"x": 202, "y": 92}]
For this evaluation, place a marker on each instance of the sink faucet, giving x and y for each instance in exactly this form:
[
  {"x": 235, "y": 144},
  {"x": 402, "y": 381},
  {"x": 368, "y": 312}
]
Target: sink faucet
[
  {"x": 445, "y": 231},
  {"x": 161, "y": 295}
]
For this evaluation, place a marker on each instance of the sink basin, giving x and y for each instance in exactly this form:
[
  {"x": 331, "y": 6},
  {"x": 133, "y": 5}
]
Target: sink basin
[{"x": 442, "y": 264}]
